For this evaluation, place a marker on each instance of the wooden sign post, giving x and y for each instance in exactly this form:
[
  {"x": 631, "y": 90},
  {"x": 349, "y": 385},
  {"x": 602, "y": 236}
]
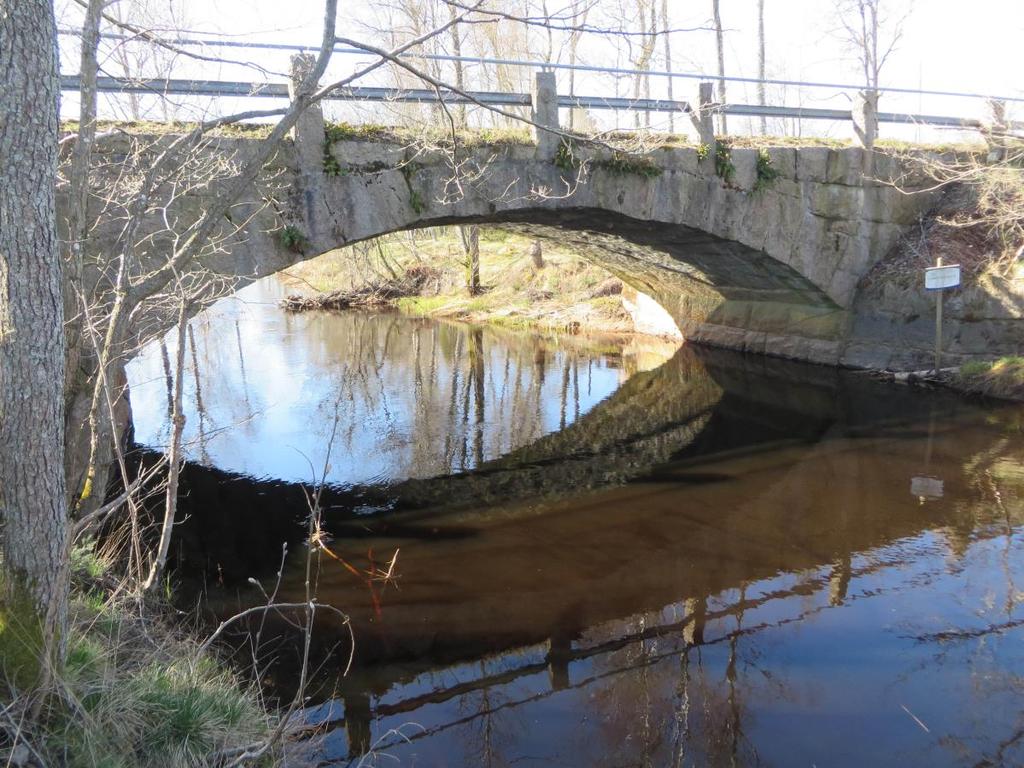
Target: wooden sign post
[{"x": 940, "y": 278}]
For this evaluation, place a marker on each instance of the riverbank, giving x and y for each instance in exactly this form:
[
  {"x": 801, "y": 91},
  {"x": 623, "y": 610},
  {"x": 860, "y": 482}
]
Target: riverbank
[
  {"x": 524, "y": 283},
  {"x": 1001, "y": 379},
  {"x": 138, "y": 689}
]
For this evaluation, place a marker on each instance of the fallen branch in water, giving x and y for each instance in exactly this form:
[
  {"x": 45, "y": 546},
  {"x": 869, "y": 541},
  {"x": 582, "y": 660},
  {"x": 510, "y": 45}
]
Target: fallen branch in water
[{"x": 413, "y": 282}]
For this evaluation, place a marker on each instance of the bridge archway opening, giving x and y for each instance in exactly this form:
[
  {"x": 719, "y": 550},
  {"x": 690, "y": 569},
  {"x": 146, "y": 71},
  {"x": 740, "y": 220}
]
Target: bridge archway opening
[{"x": 715, "y": 290}]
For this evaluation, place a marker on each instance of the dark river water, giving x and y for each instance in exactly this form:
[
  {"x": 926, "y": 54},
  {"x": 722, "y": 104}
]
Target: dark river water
[{"x": 568, "y": 552}]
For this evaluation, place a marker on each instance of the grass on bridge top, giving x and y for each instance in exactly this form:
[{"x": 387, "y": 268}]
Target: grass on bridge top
[{"x": 640, "y": 139}]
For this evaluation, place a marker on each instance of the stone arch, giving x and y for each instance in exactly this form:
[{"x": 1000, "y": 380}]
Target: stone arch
[
  {"x": 716, "y": 291},
  {"x": 765, "y": 266}
]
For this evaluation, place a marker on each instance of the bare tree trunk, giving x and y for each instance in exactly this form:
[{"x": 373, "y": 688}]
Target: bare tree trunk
[
  {"x": 579, "y": 17},
  {"x": 761, "y": 97},
  {"x": 551, "y": 37},
  {"x": 78, "y": 195},
  {"x": 720, "y": 42},
  {"x": 173, "y": 454},
  {"x": 641, "y": 82},
  {"x": 460, "y": 82},
  {"x": 537, "y": 254},
  {"x": 471, "y": 246},
  {"x": 653, "y": 43},
  {"x": 665, "y": 25},
  {"x": 32, "y": 504}
]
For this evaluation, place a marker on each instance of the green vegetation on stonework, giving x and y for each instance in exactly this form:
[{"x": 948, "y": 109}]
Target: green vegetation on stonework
[
  {"x": 332, "y": 167},
  {"x": 481, "y": 137},
  {"x": 565, "y": 158},
  {"x": 495, "y": 137},
  {"x": 154, "y": 127},
  {"x": 364, "y": 132},
  {"x": 334, "y": 132},
  {"x": 416, "y": 202},
  {"x": 766, "y": 172},
  {"x": 622, "y": 164},
  {"x": 766, "y": 142},
  {"x": 292, "y": 238},
  {"x": 976, "y": 148},
  {"x": 1002, "y": 378},
  {"x": 723, "y": 162},
  {"x": 648, "y": 139},
  {"x": 702, "y": 151}
]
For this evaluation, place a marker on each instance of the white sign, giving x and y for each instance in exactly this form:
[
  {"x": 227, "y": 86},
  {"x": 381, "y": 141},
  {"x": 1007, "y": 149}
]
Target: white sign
[
  {"x": 940, "y": 278},
  {"x": 926, "y": 487}
]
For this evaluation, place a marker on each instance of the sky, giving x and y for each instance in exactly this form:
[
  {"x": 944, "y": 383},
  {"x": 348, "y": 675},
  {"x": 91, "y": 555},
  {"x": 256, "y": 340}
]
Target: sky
[{"x": 946, "y": 45}]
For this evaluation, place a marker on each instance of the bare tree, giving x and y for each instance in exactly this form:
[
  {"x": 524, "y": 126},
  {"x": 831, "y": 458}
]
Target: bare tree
[
  {"x": 33, "y": 513},
  {"x": 870, "y": 33},
  {"x": 665, "y": 25},
  {"x": 471, "y": 247},
  {"x": 138, "y": 58},
  {"x": 720, "y": 46},
  {"x": 647, "y": 14},
  {"x": 761, "y": 97}
]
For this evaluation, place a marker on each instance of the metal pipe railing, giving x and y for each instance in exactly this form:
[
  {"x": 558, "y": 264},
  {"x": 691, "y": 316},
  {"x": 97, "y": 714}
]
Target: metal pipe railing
[
  {"x": 239, "y": 89},
  {"x": 215, "y": 42}
]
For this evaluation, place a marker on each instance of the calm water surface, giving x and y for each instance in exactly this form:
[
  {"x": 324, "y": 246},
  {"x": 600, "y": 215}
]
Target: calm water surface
[{"x": 603, "y": 561}]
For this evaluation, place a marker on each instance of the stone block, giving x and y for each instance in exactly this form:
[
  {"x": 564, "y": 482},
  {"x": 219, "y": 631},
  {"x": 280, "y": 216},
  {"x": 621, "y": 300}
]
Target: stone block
[
  {"x": 719, "y": 336},
  {"x": 812, "y": 164},
  {"x": 755, "y": 342},
  {"x": 366, "y": 154},
  {"x": 867, "y": 355},
  {"x": 889, "y": 204},
  {"x": 834, "y": 201},
  {"x": 784, "y": 161},
  {"x": 845, "y": 166},
  {"x": 842, "y": 287},
  {"x": 887, "y": 166},
  {"x": 744, "y": 160},
  {"x": 682, "y": 159}
]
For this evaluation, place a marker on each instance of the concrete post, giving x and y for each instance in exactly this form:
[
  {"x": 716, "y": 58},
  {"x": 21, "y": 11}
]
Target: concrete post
[
  {"x": 865, "y": 127},
  {"x": 545, "y": 113},
  {"x": 308, "y": 132},
  {"x": 704, "y": 122}
]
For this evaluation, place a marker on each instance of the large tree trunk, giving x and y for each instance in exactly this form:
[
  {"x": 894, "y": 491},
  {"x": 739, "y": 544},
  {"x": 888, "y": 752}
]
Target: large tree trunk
[{"x": 32, "y": 505}]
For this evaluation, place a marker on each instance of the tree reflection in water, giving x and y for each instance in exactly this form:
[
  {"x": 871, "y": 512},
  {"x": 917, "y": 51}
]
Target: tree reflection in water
[{"x": 717, "y": 562}]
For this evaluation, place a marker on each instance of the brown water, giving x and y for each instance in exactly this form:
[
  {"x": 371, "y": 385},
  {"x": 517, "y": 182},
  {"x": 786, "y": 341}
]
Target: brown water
[{"x": 722, "y": 561}]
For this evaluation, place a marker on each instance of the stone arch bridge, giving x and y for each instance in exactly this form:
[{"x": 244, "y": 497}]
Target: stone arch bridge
[{"x": 761, "y": 252}]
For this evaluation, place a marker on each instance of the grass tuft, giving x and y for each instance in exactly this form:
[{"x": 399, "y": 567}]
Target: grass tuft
[
  {"x": 1002, "y": 378},
  {"x": 134, "y": 691}
]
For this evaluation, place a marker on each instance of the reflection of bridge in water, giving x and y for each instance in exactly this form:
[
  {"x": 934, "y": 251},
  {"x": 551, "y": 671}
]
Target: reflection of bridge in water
[
  {"x": 734, "y": 497},
  {"x": 731, "y": 566}
]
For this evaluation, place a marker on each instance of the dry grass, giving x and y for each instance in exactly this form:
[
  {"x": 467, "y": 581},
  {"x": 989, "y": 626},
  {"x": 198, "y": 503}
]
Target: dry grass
[
  {"x": 134, "y": 693},
  {"x": 1002, "y": 378},
  {"x": 154, "y": 127}
]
